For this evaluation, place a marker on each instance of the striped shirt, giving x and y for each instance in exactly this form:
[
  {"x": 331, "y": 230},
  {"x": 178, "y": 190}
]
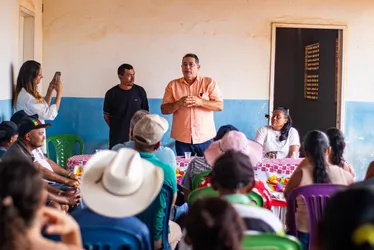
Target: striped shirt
[{"x": 196, "y": 166}]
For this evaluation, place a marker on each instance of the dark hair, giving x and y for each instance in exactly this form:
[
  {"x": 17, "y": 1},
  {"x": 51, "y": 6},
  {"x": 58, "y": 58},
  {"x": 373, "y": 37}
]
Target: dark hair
[
  {"x": 121, "y": 69},
  {"x": 213, "y": 223},
  {"x": 316, "y": 144},
  {"x": 346, "y": 214},
  {"x": 20, "y": 197},
  {"x": 224, "y": 130},
  {"x": 197, "y": 61},
  {"x": 287, "y": 126},
  {"x": 28, "y": 72},
  {"x": 233, "y": 171},
  {"x": 337, "y": 144},
  {"x": 5, "y": 139}
]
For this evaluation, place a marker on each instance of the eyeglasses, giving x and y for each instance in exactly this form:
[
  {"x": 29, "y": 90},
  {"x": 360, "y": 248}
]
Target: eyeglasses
[{"x": 188, "y": 65}]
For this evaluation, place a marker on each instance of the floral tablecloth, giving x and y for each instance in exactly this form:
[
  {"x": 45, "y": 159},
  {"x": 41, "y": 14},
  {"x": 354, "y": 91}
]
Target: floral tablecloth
[
  {"x": 276, "y": 173},
  {"x": 182, "y": 165},
  {"x": 76, "y": 163}
]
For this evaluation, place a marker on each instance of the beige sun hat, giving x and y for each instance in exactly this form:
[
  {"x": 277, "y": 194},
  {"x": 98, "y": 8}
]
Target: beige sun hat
[
  {"x": 234, "y": 140},
  {"x": 120, "y": 184}
]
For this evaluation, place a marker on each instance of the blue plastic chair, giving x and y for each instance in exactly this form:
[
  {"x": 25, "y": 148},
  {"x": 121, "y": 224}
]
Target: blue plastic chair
[
  {"x": 147, "y": 216},
  {"x": 111, "y": 238}
]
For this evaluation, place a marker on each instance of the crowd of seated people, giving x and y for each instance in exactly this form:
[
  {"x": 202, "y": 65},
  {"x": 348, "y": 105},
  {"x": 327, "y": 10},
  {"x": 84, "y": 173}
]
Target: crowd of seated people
[{"x": 39, "y": 198}]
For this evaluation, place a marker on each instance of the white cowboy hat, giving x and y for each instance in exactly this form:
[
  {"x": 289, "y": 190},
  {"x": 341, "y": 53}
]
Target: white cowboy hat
[{"x": 120, "y": 184}]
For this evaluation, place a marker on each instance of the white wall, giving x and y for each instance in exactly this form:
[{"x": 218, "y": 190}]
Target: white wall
[
  {"x": 8, "y": 35},
  {"x": 88, "y": 40},
  {"x": 9, "y": 30}
]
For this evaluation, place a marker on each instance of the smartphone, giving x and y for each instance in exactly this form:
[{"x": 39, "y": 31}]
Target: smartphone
[{"x": 57, "y": 76}]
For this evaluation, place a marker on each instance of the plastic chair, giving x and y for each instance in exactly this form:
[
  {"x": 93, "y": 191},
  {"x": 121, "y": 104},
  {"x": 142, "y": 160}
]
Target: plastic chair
[
  {"x": 64, "y": 145},
  {"x": 111, "y": 238},
  {"x": 197, "y": 179},
  {"x": 256, "y": 198},
  {"x": 315, "y": 198},
  {"x": 270, "y": 242},
  {"x": 200, "y": 193},
  {"x": 210, "y": 192},
  {"x": 147, "y": 216}
]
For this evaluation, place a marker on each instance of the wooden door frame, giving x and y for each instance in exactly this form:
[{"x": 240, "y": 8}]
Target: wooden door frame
[{"x": 340, "y": 114}]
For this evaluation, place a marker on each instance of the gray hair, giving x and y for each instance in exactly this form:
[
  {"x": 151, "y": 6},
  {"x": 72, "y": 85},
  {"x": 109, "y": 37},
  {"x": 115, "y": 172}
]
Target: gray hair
[{"x": 137, "y": 116}]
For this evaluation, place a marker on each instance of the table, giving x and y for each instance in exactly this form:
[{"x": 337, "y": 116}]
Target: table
[
  {"x": 182, "y": 165},
  {"x": 75, "y": 164},
  {"x": 276, "y": 173}
]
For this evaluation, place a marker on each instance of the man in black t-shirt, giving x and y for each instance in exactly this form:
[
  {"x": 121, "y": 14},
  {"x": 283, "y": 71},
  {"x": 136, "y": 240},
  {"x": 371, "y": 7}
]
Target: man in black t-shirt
[{"x": 121, "y": 102}]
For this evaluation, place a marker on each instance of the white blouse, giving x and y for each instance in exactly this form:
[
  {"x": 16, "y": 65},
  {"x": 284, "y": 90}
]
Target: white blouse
[
  {"x": 269, "y": 139},
  {"x": 29, "y": 104}
]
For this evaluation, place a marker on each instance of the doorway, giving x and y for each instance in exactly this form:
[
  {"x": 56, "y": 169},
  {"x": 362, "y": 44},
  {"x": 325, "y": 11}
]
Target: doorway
[
  {"x": 26, "y": 35},
  {"x": 307, "y": 75}
]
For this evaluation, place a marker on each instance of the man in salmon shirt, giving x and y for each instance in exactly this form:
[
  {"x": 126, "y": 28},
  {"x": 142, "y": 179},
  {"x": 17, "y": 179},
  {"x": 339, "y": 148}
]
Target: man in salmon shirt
[{"x": 192, "y": 100}]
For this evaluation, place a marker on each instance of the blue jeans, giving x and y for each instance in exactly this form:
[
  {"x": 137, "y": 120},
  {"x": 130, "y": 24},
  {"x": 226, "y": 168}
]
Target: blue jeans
[
  {"x": 195, "y": 149},
  {"x": 304, "y": 239}
]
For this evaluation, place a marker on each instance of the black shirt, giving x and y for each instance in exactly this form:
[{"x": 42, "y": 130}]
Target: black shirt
[
  {"x": 121, "y": 105},
  {"x": 18, "y": 150}
]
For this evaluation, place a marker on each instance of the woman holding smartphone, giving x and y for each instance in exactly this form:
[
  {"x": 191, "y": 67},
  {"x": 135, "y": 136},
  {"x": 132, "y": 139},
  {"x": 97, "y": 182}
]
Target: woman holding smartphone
[{"x": 27, "y": 96}]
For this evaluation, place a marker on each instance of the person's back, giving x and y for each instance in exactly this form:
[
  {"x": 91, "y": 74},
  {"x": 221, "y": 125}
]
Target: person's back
[
  {"x": 256, "y": 219},
  {"x": 233, "y": 177},
  {"x": 337, "y": 175},
  {"x": 171, "y": 181},
  {"x": 147, "y": 135},
  {"x": 86, "y": 217},
  {"x": 355, "y": 231},
  {"x": 314, "y": 169}
]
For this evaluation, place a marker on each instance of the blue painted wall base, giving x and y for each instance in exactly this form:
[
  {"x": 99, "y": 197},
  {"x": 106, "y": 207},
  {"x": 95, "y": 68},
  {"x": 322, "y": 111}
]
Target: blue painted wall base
[
  {"x": 84, "y": 117},
  {"x": 5, "y": 109}
]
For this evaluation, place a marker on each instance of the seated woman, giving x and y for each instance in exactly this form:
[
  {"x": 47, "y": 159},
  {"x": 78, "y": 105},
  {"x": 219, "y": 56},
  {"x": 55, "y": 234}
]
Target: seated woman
[
  {"x": 280, "y": 140},
  {"x": 23, "y": 214},
  {"x": 314, "y": 169},
  {"x": 337, "y": 144}
]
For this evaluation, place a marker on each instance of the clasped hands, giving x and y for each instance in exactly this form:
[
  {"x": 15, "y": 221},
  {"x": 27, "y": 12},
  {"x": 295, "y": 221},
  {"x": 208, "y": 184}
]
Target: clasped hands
[{"x": 190, "y": 101}]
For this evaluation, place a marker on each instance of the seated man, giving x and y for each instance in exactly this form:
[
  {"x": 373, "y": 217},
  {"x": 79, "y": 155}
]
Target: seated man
[
  {"x": 233, "y": 177},
  {"x": 49, "y": 169},
  {"x": 164, "y": 154},
  {"x": 31, "y": 136},
  {"x": 147, "y": 135},
  {"x": 114, "y": 190},
  {"x": 56, "y": 175},
  {"x": 8, "y": 135}
]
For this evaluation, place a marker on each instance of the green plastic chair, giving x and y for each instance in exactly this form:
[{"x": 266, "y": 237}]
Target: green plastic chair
[
  {"x": 210, "y": 192},
  {"x": 64, "y": 145},
  {"x": 197, "y": 179},
  {"x": 270, "y": 242},
  {"x": 256, "y": 198},
  {"x": 200, "y": 193}
]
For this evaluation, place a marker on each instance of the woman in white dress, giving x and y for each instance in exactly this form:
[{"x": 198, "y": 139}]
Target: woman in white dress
[
  {"x": 279, "y": 140},
  {"x": 27, "y": 96}
]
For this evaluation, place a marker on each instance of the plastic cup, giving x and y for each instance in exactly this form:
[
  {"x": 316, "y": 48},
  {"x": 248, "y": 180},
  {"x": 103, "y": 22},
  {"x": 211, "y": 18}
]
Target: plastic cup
[
  {"x": 187, "y": 155},
  {"x": 296, "y": 155}
]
